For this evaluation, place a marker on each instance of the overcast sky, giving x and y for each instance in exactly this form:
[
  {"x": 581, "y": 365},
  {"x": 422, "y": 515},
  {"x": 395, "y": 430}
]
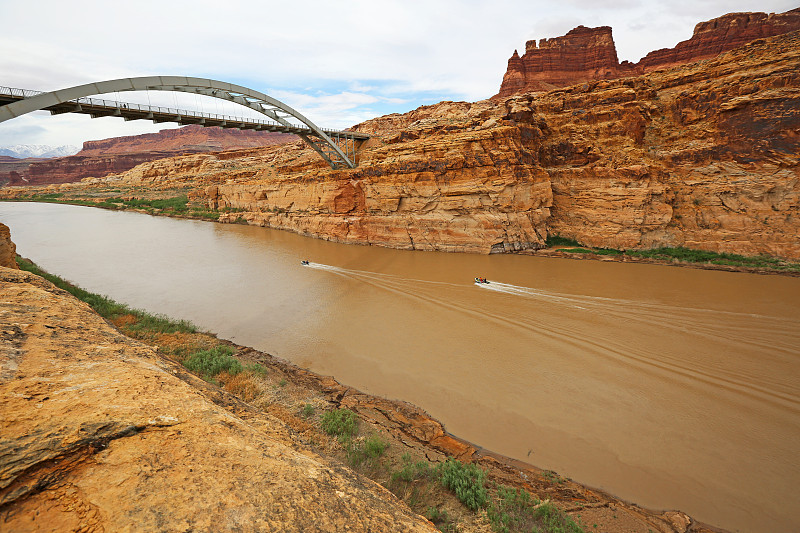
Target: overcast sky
[{"x": 339, "y": 63}]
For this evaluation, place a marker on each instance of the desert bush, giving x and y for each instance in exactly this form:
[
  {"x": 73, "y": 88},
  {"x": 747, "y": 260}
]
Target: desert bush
[
  {"x": 341, "y": 423},
  {"x": 209, "y": 363},
  {"x": 467, "y": 481}
]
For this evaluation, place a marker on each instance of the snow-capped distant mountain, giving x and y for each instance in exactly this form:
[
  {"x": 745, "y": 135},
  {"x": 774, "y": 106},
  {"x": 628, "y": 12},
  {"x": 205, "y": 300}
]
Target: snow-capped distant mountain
[{"x": 22, "y": 151}]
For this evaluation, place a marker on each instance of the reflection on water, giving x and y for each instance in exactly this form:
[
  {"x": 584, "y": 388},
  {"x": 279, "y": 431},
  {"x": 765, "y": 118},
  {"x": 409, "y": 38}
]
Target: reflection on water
[{"x": 675, "y": 388}]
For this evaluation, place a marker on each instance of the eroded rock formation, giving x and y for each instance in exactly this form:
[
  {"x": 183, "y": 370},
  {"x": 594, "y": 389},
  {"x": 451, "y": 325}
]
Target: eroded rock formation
[
  {"x": 582, "y": 54},
  {"x": 100, "y": 433},
  {"x": 8, "y": 250},
  {"x": 721, "y": 34},
  {"x": 588, "y": 54},
  {"x": 12, "y": 169}
]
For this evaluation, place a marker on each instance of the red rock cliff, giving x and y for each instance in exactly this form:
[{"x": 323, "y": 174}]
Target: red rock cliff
[
  {"x": 186, "y": 139},
  {"x": 721, "y": 34},
  {"x": 588, "y": 54},
  {"x": 108, "y": 156},
  {"x": 582, "y": 54}
]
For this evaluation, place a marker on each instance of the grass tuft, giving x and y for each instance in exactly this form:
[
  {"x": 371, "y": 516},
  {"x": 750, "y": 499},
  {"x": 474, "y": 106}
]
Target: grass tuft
[
  {"x": 365, "y": 454},
  {"x": 341, "y": 423},
  {"x": 411, "y": 471},
  {"x": 597, "y": 251},
  {"x": 515, "y": 510},
  {"x": 467, "y": 481},
  {"x": 209, "y": 363},
  {"x": 558, "y": 240}
]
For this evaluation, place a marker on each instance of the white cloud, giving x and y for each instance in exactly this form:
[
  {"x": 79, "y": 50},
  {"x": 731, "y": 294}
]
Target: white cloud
[{"x": 338, "y": 62}]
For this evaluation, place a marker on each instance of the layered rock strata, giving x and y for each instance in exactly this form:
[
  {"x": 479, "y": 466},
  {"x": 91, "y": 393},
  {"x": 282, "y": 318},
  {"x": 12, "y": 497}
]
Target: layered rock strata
[
  {"x": 582, "y": 54},
  {"x": 111, "y": 156},
  {"x": 13, "y": 169},
  {"x": 589, "y": 54},
  {"x": 712, "y": 37},
  {"x": 192, "y": 138},
  {"x": 100, "y": 433}
]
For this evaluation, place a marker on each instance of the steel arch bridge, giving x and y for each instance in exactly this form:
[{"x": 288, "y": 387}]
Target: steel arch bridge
[{"x": 338, "y": 148}]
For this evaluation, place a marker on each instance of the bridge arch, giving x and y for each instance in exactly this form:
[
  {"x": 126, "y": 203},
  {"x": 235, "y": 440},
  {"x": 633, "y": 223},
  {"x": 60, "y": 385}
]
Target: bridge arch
[{"x": 276, "y": 110}]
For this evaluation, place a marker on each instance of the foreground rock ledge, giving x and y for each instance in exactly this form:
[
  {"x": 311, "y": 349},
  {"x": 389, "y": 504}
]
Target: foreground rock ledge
[{"x": 99, "y": 433}]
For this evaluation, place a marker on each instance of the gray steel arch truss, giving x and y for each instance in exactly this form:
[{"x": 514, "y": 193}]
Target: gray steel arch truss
[{"x": 337, "y": 148}]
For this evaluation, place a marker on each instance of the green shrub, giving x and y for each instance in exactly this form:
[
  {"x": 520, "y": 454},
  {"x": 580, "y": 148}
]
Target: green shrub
[
  {"x": 366, "y": 453},
  {"x": 440, "y": 519},
  {"x": 341, "y": 423},
  {"x": 554, "y": 520},
  {"x": 209, "y": 363},
  {"x": 702, "y": 256},
  {"x": 308, "y": 410},
  {"x": 255, "y": 368},
  {"x": 468, "y": 482},
  {"x": 515, "y": 510},
  {"x": 160, "y": 324},
  {"x": 598, "y": 251},
  {"x": 412, "y": 471},
  {"x": 176, "y": 204},
  {"x": 557, "y": 240}
]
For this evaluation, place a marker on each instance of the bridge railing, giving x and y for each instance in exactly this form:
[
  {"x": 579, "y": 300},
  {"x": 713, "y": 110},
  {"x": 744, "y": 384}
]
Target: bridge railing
[
  {"x": 146, "y": 108},
  {"x": 19, "y": 93},
  {"x": 113, "y": 104}
]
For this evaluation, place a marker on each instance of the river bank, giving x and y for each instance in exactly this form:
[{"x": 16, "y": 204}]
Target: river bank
[
  {"x": 183, "y": 208},
  {"x": 411, "y": 443}
]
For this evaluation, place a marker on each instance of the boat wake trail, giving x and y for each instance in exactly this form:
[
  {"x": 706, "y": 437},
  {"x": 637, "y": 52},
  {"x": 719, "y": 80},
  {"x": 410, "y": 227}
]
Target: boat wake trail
[{"x": 648, "y": 334}]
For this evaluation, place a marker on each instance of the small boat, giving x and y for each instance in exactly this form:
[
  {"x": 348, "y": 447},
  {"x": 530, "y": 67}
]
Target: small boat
[
  {"x": 304, "y": 262},
  {"x": 482, "y": 280}
]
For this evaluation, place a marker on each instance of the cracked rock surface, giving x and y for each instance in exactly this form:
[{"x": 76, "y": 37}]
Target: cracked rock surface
[{"x": 100, "y": 433}]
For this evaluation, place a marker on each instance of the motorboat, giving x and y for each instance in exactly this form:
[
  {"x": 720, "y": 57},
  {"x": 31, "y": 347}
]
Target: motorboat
[
  {"x": 482, "y": 280},
  {"x": 304, "y": 262}
]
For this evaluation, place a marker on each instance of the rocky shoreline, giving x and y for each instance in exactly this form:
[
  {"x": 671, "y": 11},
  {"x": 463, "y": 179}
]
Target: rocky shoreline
[{"x": 622, "y": 258}]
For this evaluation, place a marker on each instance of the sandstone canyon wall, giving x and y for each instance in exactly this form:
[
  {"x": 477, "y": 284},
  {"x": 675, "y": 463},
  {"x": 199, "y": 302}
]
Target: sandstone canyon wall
[
  {"x": 589, "y": 54},
  {"x": 703, "y": 155},
  {"x": 100, "y": 158}
]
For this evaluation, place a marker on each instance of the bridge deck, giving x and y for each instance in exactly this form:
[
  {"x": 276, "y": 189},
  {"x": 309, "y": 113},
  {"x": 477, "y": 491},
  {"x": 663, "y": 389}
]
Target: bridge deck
[{"x": 109, "y": 108}]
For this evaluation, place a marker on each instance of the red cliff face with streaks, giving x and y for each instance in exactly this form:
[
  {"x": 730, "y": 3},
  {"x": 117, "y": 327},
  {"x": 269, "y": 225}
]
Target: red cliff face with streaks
[
  {"x": 588, "y": 54},
  {"x": 721, "y": 34},
  {"x": 109, "y": 156},
  {"x": 582, "y": 54},
  {"x": 186, "y": 139}
]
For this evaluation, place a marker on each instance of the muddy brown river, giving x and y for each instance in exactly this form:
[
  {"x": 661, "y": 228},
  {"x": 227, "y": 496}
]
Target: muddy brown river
[{"x": 675, "y": 388}]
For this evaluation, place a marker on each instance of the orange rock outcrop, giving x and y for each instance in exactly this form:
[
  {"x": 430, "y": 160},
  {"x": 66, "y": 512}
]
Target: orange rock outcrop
[
  {"x": 8, "y": 250},
  {"x": 589, "y": 54},
  {"x": 101, "y": 433}
]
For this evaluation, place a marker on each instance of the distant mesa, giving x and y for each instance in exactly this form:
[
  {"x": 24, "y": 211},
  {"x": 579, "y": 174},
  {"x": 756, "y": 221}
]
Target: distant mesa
[
  {"x": 588, "y": 54},
  {"x": 111, "y": 156}
]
